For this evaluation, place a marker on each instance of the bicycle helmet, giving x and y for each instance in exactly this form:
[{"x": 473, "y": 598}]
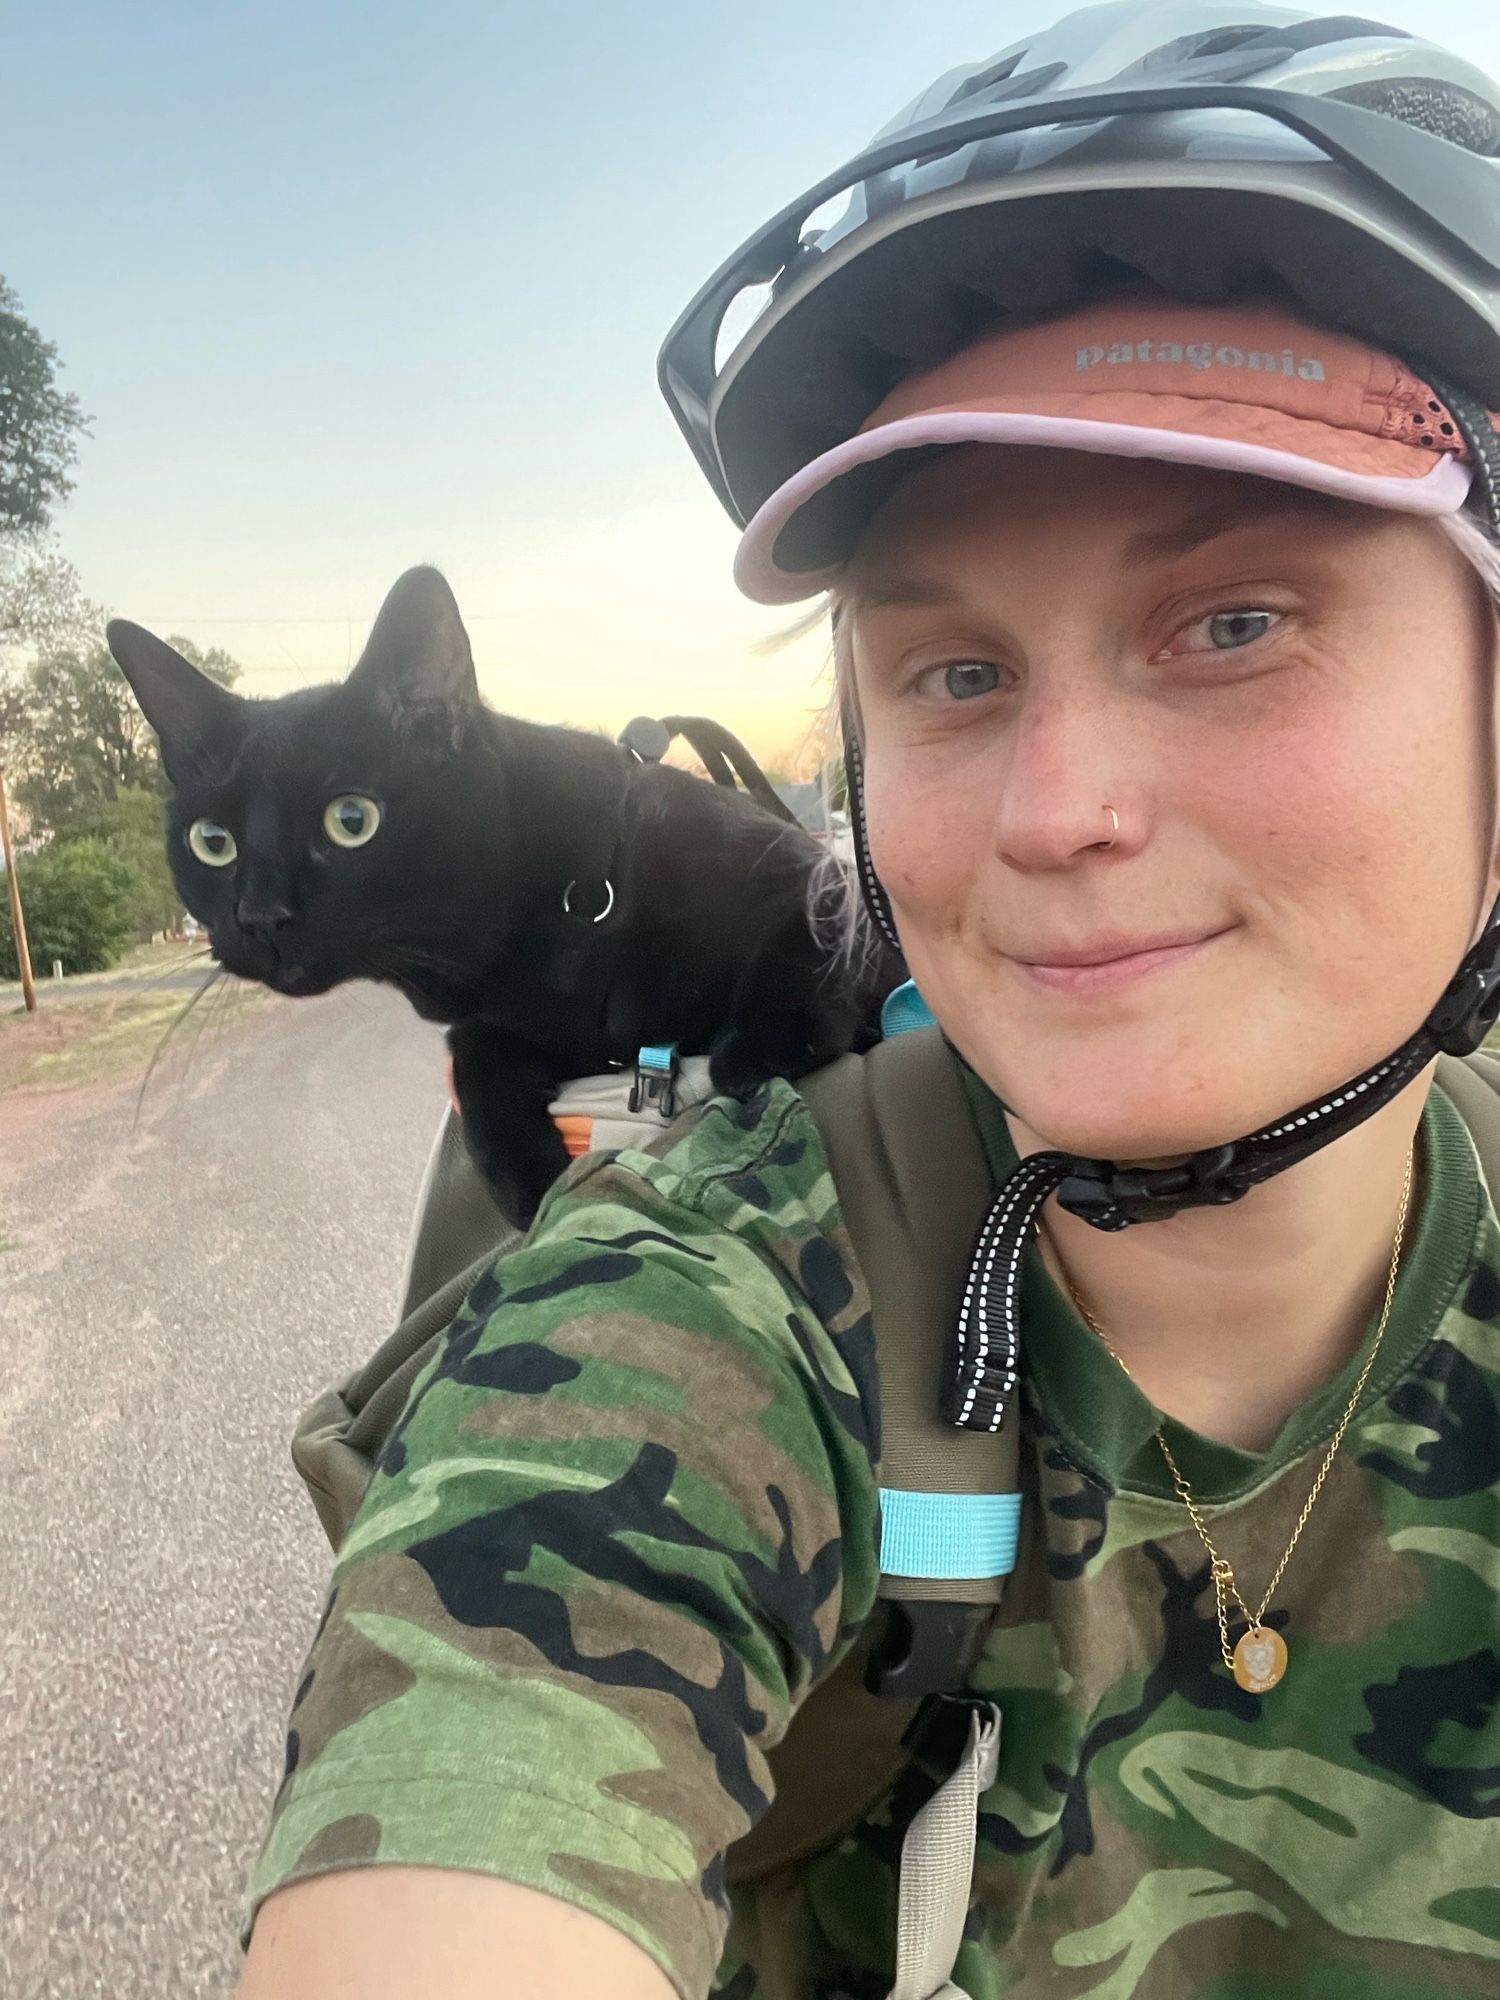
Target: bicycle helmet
[{"x": 1210, "y": 149}]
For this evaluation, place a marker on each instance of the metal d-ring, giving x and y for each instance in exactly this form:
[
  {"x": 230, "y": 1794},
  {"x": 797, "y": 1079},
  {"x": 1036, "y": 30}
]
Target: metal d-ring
[{"x": 609, "y": 900}]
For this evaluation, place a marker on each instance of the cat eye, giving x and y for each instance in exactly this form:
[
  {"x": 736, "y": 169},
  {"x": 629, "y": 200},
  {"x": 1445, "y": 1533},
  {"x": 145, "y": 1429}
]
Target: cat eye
[
  {"x": 350, "y": 820},
  {"x": 212, "y": 843}
]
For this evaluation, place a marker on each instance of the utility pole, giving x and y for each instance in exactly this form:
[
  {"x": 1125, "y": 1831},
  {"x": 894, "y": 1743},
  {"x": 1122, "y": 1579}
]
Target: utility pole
[{"x": 18, "y": 921}]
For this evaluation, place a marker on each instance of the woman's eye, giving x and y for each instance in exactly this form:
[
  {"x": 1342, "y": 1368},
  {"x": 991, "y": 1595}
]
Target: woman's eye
[
  {"x": 350, "y": 820},
  {"x": 211, "y": 843},
  {"x": 1224, "y": 631},
  {"x": 963, "y": 680}
]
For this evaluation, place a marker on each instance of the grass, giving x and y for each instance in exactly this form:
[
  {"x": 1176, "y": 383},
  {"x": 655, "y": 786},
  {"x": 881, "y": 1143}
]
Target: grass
[
  {"x": 139, "y": 961},
  {"x": 87, "y": 1041}
]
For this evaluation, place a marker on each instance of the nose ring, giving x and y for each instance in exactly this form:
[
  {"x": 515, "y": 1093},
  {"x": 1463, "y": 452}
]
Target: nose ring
[{"x": 1114, "y": 828}]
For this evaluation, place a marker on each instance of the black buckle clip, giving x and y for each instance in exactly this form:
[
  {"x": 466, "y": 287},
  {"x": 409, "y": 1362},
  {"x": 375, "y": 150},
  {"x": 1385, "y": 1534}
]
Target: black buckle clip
[
  {"x": 1112, "y": 1198},
  {"x": 1468, "y": 1009},
  {"x": 927, "y": 1648},
  {"x": 1466, "y": 1013},
  {"x": 939, "y": 1731}
]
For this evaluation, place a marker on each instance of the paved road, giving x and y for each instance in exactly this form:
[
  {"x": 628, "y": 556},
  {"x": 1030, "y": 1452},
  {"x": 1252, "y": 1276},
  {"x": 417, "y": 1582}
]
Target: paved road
[{"x": 171, "y": 1291}]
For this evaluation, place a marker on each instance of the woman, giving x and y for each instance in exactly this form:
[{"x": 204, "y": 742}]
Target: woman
[{"x": 1166, "y": 625}]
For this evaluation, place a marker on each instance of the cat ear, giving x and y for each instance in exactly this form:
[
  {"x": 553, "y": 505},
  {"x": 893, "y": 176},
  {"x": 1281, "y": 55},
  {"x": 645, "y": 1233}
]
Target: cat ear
[
  {"x": 194, "y": 718},
  {"x": 417, "y": 661}
]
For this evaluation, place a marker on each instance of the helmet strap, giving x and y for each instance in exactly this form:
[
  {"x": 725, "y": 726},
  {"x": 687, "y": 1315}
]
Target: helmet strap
[{"x": 875, "y": 899}]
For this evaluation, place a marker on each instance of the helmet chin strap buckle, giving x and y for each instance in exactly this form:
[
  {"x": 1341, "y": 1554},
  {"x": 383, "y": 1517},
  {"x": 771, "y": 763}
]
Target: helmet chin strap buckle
[
  {"x": 1110, "y": 1197},
  {"x": 1467, "y": 1011}
]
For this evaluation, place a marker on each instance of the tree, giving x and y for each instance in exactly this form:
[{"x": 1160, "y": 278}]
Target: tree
[
  {"x": 42, "y": 605},
  {"x": 130, "y": 826},
  {"x": 78, "y": 898},
  {"x": 75, "y": 737},
  {"x": 39, "y": 423}
]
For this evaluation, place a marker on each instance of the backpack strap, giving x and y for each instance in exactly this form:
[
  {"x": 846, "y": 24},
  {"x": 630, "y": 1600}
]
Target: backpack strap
[
  {"x": 1473, "y": 1084},
  {"x": 914, "y": 1188}
]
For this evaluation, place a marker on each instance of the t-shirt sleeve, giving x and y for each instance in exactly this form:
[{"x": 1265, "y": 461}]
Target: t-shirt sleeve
[{"x": 627, "y": 1520}]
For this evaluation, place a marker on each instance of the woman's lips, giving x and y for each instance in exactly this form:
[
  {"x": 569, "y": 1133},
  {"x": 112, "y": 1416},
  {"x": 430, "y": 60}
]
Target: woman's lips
[{"x": 1083, "y": 974}]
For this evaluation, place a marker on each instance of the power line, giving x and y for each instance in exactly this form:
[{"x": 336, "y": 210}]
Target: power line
[{"x": 470, "y": 618}]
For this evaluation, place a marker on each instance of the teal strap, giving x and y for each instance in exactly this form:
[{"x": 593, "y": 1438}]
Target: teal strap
[
  {"x": 904, "y": 1010},
  {"x": 948, "y": 1535}
]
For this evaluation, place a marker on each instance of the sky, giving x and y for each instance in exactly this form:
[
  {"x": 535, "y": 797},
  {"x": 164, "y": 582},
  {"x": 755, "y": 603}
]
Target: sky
[{"x": 345, "y": 287}]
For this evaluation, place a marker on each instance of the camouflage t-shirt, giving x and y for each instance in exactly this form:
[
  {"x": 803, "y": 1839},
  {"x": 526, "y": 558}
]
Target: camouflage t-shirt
[{"x": 631, "y": 1517}]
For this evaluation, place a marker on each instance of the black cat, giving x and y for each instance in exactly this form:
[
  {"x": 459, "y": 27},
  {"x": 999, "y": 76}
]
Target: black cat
[{"x": 558, "y": 901}]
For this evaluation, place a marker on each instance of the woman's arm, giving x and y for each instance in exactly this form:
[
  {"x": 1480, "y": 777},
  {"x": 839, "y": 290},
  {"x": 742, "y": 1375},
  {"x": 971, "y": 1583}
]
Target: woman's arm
[
  {"x": 405, "y": 1933},
  {"x": 626, "y": 1522}
]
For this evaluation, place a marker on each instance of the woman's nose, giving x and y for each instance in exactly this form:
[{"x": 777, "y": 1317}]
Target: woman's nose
[{"x": 1067, "y": 788}]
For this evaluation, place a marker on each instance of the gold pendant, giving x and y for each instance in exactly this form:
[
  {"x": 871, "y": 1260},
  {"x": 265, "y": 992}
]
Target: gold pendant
[{"x": 1259, "y": 1659}]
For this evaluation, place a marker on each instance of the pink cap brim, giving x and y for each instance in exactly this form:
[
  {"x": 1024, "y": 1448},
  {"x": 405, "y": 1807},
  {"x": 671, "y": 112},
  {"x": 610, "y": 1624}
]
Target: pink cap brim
[{"x": 1443, "y": 490}]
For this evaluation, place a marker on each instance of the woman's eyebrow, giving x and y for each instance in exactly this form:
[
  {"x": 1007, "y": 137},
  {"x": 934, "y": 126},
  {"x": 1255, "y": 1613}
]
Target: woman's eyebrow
[
  {"x": 1155, "y": 545},
  {"x": 1151, "y": 545},
  {"x": 900, "y": 592}
]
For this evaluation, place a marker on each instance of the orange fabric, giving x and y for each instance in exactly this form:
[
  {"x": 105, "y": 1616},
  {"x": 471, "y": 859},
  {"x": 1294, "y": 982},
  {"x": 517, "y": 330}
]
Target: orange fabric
[
  {"x": 1249, "y": 373},
  {"x": 577, "y": 1130}
]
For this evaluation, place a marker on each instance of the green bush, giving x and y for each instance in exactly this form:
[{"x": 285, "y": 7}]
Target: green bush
[
  {"x": 132, "y": 826},
  {"x": 79, "y": 899}
]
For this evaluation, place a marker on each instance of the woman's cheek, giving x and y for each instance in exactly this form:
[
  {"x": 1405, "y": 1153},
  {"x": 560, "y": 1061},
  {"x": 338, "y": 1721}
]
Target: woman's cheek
[
  {"x": 923, "y": 842},
  {"x": 1358, "y": 824}
]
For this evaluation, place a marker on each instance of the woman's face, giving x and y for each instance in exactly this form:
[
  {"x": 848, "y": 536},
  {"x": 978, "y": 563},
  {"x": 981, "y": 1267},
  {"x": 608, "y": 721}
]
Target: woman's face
[{"x": 1285, "y": 699}]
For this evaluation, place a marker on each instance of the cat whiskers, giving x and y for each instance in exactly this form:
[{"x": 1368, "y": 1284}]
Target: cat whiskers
[
  {"x": 171, "y": 969},
  {"x": 226, "y": 997},
  {"x": 217, "y": 978},
  {"x": 189, "y": 955}
]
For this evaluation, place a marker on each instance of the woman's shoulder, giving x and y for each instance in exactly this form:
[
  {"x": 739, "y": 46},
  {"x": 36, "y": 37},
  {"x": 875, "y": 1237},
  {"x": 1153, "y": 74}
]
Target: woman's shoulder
[
  {"x": 732, "y": 1172},
  {"x": 721, "y": 1244}
]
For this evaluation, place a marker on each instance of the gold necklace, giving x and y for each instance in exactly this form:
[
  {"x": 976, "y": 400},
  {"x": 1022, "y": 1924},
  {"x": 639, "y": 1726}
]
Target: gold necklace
[{"x": 1258, "y": 1659}]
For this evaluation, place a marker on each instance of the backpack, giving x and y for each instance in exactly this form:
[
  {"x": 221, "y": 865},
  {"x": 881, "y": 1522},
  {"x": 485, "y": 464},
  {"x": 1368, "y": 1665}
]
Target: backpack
[{"x": 914, "y": 1187}]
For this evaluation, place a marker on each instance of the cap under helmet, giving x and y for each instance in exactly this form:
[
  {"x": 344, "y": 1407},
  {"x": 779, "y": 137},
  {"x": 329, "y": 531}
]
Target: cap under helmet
[{"x": 1207, "y": 149}]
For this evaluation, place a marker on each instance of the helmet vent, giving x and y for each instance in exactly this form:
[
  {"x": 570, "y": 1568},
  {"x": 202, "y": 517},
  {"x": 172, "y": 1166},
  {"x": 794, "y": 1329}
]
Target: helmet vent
[
  {"x": 740, "y": 315},
  {"x": 996, "y": 73},
  {"x": 1187, "y": 49},
  {"x": 1004, "y": 82},
  {"x": 1299, "y": 35}
]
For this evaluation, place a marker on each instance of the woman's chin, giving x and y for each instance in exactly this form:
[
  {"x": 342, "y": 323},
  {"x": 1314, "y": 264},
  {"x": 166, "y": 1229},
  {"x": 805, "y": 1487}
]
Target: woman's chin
[
  {"x": 1138, "y": 1110},
  {"x": 1146, "y": 1084}
]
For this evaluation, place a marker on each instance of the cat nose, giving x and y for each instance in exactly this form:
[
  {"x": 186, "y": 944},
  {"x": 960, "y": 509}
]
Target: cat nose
[{"x": 261, "y": 919}]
